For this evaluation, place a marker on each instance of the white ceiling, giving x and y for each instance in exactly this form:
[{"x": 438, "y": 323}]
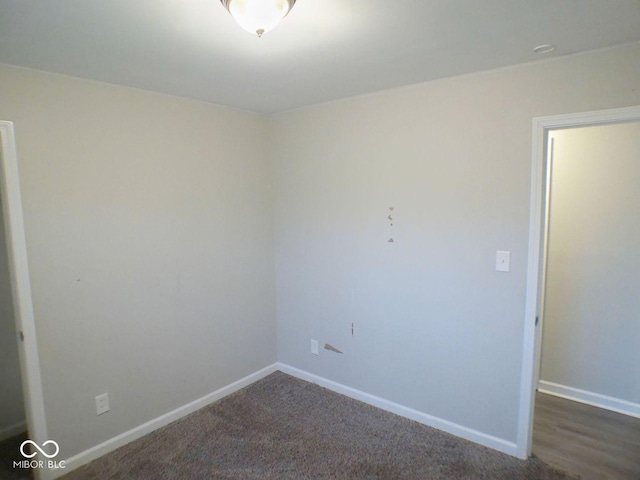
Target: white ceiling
[{"x": 323, "y": 50}]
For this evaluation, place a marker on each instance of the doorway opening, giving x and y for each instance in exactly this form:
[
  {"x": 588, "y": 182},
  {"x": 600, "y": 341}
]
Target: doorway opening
[
  {"x": 20, "y": 294},
  {"x": 539, "y": 260}
]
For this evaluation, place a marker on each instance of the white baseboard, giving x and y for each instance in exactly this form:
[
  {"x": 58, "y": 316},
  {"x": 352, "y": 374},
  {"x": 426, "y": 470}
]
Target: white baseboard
[
  {"x": 116, "y": 442},
  {"x": 13, "y": 430},
  {"x": 93, "y": 453},
  {"x": 590, "y": 398},
  {"x": 475, "y": 436}
]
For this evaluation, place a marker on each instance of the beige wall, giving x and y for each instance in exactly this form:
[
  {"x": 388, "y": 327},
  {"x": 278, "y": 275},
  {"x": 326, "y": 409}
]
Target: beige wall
[
  {"x": 592, "y": 305},
  {"x": 11, "y": 403},
  {"x": 148, "y": 228},
  {"x": 437, "y": 329}
]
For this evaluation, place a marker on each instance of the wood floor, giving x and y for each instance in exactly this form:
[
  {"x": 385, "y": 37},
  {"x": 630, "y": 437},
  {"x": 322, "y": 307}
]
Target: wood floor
[
  {"x": 9, "y": 453},
  {"x": 593, "y": 443}
]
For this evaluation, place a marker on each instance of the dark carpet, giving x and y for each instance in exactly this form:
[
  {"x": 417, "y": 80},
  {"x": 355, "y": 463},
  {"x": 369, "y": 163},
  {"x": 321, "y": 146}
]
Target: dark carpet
[{"x": 284, "y": 428}]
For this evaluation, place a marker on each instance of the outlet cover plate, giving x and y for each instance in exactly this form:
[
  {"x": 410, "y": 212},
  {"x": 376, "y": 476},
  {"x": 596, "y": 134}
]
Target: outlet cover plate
[
  {"x": 503, "y": 261},
  {"x": 102, "y": 404}
]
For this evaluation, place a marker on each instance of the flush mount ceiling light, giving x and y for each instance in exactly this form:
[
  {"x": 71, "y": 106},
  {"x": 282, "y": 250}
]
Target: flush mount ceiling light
[{"x": 258, "y": 16}]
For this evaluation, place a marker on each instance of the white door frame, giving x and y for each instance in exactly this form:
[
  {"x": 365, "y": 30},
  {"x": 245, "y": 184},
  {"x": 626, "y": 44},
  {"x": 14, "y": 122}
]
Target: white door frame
[
  {"x": 21, "y": 288},
  {"x": 536, "y": 256}
]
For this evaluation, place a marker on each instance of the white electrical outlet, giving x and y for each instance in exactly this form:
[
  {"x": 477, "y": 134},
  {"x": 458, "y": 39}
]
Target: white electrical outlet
[
  {"x": 102, "y": 404},
  {"x": 314, "y": 347}
]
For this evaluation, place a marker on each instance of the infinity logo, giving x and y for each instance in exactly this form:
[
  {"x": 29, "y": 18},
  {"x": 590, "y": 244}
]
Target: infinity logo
[{"x": 35, "y": 445}]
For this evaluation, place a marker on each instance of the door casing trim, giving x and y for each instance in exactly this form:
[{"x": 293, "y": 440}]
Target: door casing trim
[
  {"x": 21, "y": 289},
  {"x": 536, "y": 252}
]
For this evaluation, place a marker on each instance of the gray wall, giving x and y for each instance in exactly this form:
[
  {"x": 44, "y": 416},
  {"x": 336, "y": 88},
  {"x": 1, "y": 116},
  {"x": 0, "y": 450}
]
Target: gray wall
[
  {"x": 148, "y": 228},
  {"x": 436, "y": 328},
  {"x": 592, "y": 302},
  {"x": 11, "y": 403}
]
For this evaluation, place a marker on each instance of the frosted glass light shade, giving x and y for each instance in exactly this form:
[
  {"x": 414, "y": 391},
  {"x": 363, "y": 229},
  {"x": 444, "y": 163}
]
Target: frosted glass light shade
[{"x": 258, "y": 16}]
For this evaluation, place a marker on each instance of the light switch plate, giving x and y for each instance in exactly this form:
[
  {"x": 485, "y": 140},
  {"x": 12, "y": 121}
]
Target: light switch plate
[
  {"x": 314, "y": 347},
  {"x": 503, "y": 261}
]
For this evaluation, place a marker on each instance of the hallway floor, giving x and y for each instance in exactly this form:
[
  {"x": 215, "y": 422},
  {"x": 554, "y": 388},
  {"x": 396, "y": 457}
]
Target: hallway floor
[
  {"x": 580, "y": 439},
  {"x": 10, "y": 452}
]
